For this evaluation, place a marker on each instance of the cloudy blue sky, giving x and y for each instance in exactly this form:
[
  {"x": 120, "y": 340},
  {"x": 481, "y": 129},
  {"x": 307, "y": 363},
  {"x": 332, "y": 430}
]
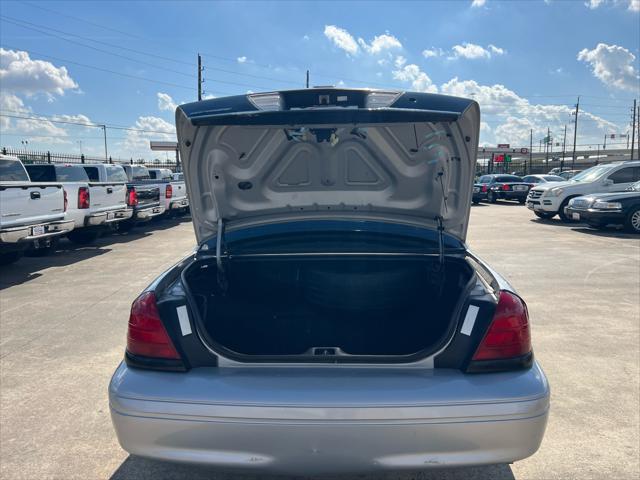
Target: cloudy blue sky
[{"x": 127, "y": 64}]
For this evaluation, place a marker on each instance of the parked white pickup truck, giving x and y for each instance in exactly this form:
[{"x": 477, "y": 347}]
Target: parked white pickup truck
[
  {"x": 30, "y": 215},
  {"x": 92, "y": 205},
  {"x": 175, "y": 191},
  {"x": 550, "y": 199}
]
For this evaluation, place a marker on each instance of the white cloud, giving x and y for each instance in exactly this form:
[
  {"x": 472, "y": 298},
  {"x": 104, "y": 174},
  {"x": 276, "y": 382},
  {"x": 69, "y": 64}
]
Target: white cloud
[
  {"x": 472, "y": 51},
  {"x": 242, "y": 59},
  {"x": 341, "y": 39},
  {"x": 306, "y": 37},
  {"x": 432, "y": 52},
  {"x": 165, "y": 102},
  {"x": 380, "y": 43},
  {"x": 515, "y": 116},
  {"x": 478, "y": 3},
  {"x": 345, "y": 41},
  {"x": 22, "y": 75},
  {"x": 612, "y": 65},
  {"x": 400, "y": 61},
  {"x": 136, "y": 143},
  {"x": 496, "y": 50},
  {"x": 632, "y": 5},
  {"x": 420, "y": 81}
]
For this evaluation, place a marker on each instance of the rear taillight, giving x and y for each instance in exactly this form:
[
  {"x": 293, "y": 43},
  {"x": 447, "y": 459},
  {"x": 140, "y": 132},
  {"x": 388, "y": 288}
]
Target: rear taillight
[
  {"x": 484, "y": 188},
  {"x": 66, "y": 200},
  {"x": 506, "y": 187},
  {"x": 132, "y": 198},
  {"x": 169, "y": 191},
  {"x": 147, "y": 336},
  {"x": 84, "y": 198},
  {"x": 507, "y": 343}
]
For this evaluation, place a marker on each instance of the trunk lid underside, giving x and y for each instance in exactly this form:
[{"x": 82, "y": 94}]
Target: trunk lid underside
[{"x": 410, "y": 161}]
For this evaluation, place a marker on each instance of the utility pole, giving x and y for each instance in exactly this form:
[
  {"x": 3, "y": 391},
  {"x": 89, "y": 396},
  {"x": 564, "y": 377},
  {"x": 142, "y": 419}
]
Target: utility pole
[
  {"x": 633, "y": 129},
  {"x": 575, "y": 134},
  {"x": 564, "y": 147},
  {"x": 546, "y": 141},
  {"x": 530, "y": 150},
  {"x": 199, "y": 77},
  {"x": 307, "y": 78},
  {"x": 604, "y": 144},
  {"x": 106, "y": 155}
]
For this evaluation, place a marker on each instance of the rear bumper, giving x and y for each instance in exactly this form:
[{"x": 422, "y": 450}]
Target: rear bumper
[
  {"x": 178, "y": 204},
  {"x": 112, "y": 216},
  {"x": 147, "y": 213},
  {"x": 27, "y": 233},
  {"x": 329, "y": 420},
  {"x": 511, "y": 195}
]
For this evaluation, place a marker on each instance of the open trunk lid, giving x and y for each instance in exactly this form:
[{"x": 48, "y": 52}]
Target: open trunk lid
[{"x": 326, "y": 152}]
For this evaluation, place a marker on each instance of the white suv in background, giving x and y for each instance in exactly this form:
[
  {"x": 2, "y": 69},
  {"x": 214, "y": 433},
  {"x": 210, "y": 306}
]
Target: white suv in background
[{"x": 549, "y": 200}]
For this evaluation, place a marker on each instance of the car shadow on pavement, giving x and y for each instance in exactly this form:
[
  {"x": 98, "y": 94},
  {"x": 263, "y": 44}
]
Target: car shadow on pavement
[
  {"x": 136, "y": 468},
  {"x": 611, "y": 232}
]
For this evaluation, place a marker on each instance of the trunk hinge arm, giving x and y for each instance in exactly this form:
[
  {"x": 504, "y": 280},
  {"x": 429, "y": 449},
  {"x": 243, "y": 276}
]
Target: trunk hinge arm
[{"x": 222, "y": 277}]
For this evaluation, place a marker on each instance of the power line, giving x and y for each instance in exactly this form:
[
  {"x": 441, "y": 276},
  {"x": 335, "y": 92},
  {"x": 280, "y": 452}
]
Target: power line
[{"x": 81, "y": 20}]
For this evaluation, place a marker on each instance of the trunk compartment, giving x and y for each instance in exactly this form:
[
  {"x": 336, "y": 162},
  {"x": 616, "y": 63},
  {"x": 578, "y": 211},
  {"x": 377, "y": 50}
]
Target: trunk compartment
[{"x": 335, "y": 307}]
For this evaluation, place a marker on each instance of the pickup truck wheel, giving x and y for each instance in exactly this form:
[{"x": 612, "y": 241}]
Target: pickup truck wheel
[
  {"x": 491, "y": 197},
  {"x": 633, "y": 221},
  {"x": 561, "y": 213},
  {"x": 83, "y": 236},
  {"x": 544, "y": 215},
  {"x": 10, "y": 257}
]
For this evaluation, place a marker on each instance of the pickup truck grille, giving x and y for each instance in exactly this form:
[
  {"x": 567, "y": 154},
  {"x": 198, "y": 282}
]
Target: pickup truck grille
[{"x": 533, "y": 194}]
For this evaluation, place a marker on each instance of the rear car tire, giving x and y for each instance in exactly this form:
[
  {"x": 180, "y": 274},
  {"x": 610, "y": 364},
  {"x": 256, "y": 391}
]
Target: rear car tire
[
  {"x": 522, "y": 201},
  {"x": 10, "y": 257},
  {"x": 83, "y": 236},
  {"x": 126, "y": 226},
  {"x": 632, "y": 223},
  {"x": 544, "y": 215},
  {"x": 475, "y": 202},
  {"x": 491, "y": 197},
  {"x": 561, "y": 213}
]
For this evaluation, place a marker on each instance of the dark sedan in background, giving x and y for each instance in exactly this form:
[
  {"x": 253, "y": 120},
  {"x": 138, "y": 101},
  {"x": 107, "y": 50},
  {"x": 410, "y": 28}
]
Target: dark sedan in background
[
  {"x": 491, "y": 188},
  {"x": 602, "y": 209}
]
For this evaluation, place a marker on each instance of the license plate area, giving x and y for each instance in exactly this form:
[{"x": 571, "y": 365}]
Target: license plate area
[
  {"x": 575, "y": 216},
  {"x": 38, "y": 230},
  {"x": 519, "y": 188}
]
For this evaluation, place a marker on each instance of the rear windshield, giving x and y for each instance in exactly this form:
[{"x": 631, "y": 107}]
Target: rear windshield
[
  {"x": 12, "y": 171},
  {"x": 508, "y": 178},
  {"x": 116, "y": 173},
  {"x": 41, "y": 173},
  {"x": 139, "y": 173},
  {"x": 68, "y": 173},
  {"x": 93, "y": 173}
]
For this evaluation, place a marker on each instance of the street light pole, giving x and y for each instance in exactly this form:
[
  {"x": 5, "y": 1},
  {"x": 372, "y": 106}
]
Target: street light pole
[
  {"x": 564, "y": 146},
  {"x": 575, "y": 134}
]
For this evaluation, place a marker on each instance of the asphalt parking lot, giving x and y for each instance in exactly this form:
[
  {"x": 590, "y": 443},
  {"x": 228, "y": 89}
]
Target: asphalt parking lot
[{"x": 63, "y": 324}]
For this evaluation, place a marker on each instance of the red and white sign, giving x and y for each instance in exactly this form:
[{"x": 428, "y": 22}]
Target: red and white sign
[{"x": 504, "y": 145}]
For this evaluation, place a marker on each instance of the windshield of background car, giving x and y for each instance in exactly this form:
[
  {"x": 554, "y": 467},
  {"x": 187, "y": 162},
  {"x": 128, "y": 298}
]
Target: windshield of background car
[
  {"x": 12, "y": 171},
  {"x": 553, "y": 178},
  {"x": 591, "y": 174}
]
